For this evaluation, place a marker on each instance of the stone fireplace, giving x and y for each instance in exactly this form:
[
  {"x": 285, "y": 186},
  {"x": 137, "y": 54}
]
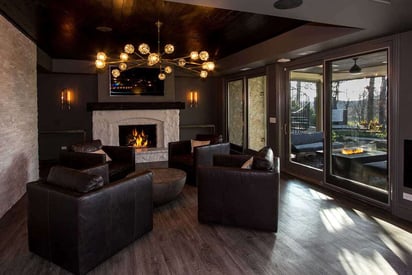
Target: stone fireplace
[{"x": 106, "y": 123}]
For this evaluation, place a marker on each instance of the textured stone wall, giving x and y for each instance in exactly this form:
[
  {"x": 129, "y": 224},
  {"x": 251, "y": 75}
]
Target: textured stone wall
[
  {"x": 106, "y": 128},
  {"x": 18, "y": 115}
]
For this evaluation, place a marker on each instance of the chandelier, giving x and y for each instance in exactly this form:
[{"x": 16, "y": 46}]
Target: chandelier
[{"x": 196, "y": 62}]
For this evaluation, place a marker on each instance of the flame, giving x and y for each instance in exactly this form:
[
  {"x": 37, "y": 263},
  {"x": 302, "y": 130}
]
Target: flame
[
  {"x": 350, "y": 151},
  {"x": 139, "y": 140}
]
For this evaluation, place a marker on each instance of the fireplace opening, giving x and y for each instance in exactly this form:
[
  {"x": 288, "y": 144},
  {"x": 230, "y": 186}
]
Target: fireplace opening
[{"x": 139, "y": 136}]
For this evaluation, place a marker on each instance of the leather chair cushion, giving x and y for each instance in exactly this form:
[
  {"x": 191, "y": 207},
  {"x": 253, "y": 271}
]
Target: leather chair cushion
[
  {"x": 263, "y": 160},
  {"x": 73, "y": 179},
  {"x": 87, "y": 147}
]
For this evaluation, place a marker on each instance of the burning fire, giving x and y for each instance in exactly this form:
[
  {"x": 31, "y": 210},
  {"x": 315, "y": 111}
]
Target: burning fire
[
  {"x": 139, "y": 140},
  {"x": 350, "y": 151}
]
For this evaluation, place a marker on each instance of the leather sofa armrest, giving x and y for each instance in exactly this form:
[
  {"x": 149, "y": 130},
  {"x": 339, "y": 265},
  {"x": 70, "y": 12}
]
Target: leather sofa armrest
[
  {"x": 182, "y": 147},
  {"x": 80, "y": 160},
  {"x": 100, "y": 170}
]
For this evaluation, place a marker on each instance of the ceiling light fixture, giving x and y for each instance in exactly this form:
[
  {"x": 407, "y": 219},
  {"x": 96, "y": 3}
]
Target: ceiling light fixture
[
  {"x": 287, "y": 4},
  {"x": 283, "y": 60},
  {"x": 355, "y": 69},
  {"x": 196, "y": 62}
]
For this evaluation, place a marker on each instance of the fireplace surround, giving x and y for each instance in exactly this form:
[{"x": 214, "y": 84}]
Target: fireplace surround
[{"x": 106, "y": 124}]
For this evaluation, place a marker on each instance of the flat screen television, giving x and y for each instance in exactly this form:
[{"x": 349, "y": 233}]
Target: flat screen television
[{"x": 136, "y": 81}]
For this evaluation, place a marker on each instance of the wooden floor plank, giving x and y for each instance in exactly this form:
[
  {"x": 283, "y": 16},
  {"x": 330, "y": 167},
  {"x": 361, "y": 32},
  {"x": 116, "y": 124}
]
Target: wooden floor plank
[{"x": 319, "y": 233}]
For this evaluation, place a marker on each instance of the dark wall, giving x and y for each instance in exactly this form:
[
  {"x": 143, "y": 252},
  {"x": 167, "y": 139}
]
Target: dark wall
[
  {"x": 59, "y": 127},
  {"x": 206, "y": 113}
]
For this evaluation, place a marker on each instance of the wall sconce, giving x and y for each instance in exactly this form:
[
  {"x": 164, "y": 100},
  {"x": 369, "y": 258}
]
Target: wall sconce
[
  {"x": 66, "y": 97},
  {"x": 193, "y": 98}
]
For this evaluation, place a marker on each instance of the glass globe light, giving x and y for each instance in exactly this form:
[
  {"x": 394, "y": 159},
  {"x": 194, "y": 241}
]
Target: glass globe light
[
  {"x": 101, "y": 56},
  {"x": 144, "y": 48},
  {"x": 122, "y": 66},
  {"x": 169, "y": 48},
  {"x": 129, "y": 48},
  {"x": 210, "y": 66},
  {"x": 115, "y": 72},
  {"x": 203, "y": 74},
  {"x": 124, "y": 57},
  {"x": 162, "y": 76},
  {"x": 194, "y": 55},
  {"x": 204, "y": 55},
  {"x": 168, "y": 69},
  {"x": 181, "y": 62},
  {"x": 100, "y": 64},
  {"x": 153, "y": 59}
]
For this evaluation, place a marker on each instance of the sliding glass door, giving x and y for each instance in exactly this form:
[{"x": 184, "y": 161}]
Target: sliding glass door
[
  {"x": 357, "y": 124},
  {"x": 304, "y": 127}
]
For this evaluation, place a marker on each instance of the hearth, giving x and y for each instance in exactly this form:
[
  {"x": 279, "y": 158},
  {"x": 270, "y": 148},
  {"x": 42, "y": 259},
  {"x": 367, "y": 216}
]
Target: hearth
[{"x": 139, "y": 136}]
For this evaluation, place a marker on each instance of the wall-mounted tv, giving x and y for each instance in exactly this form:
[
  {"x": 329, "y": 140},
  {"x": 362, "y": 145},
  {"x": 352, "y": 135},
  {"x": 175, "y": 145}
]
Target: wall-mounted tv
[{"x": 136, "y": 81}]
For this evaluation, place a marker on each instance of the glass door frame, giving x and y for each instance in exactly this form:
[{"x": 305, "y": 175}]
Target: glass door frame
[
  {"x": 367, "y": 194},
  {"x": 291, "y": 167}
]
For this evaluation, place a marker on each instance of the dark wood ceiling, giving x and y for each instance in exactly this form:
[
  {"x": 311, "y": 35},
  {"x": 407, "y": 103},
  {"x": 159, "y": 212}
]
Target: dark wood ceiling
[{"x": 67, "y": 28}]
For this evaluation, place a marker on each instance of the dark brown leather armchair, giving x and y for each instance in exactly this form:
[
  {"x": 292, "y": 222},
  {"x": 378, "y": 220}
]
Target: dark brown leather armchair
[
  {"x": 77, "y": 220},
  {"x": 230, "y": 195},
  {"x": 79, "y": 156},
  {"x": 181, "y": 156}
]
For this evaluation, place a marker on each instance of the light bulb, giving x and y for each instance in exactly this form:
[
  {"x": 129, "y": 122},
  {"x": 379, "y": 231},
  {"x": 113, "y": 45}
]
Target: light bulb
[
  {"x": 100, "y": 64},
  {"x": 169, "y": 48},
  {"x": 101, "y": 56},
  {"x": 122, "y": 66},
  {"x": 181, "y": 62},
  {"x": 210, "y": 66},
  {"x": 204, "y": 55},
  {"x": 203, "y": 74},
  {"x": 129, "y": 48},
  {"x": 153, "y": 59},
  {"x": 162, "y": 76},
  {"x": 115, "y": 72},
  {"x": 144, "y": 48},
  {"x": 194, "y": 55},
  {"x": 168, "y": 69},
  {"x": 124, "y": 57}
]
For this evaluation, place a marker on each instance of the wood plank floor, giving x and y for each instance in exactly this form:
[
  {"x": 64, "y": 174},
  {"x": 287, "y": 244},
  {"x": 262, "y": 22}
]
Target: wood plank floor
[{"x": 317, "y": 234}]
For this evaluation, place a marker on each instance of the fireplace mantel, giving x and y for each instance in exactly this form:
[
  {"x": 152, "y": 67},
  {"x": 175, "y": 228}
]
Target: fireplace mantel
[{"x": 110, "y": 106}]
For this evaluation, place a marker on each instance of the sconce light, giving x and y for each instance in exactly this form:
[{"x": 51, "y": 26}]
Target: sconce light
[
  {"x": 193, "y": 98},
  {"x": 66, "y": 97}
]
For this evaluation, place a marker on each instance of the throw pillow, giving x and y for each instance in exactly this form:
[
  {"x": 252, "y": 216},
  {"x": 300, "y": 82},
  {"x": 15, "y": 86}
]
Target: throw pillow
[
  {"x": 196, "y": 143},
  {"x": 263, "y": 160},
  {"x": 248, "y": 164},
  {"x": 100, "y": 151},
  {"x": 87, "y": 147},
  {"x": 73, "y": 179}
]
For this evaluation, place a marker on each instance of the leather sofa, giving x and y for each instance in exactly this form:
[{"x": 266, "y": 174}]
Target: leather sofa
[
  {"x": 235, "y": 196},
  {"x": 180, "y": 156},
  {"x": 76, "y": 219},
  {"x": 81, "y": 156}
]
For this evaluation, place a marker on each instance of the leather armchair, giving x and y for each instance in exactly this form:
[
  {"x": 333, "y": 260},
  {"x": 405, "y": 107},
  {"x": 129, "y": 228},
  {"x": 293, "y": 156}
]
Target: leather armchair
[
  {"x": 230, "y": 195},
  {"x": 77, "y": 220},
  {"x": 79, "y": 156},
  {"x": 181, "y": 157}
]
